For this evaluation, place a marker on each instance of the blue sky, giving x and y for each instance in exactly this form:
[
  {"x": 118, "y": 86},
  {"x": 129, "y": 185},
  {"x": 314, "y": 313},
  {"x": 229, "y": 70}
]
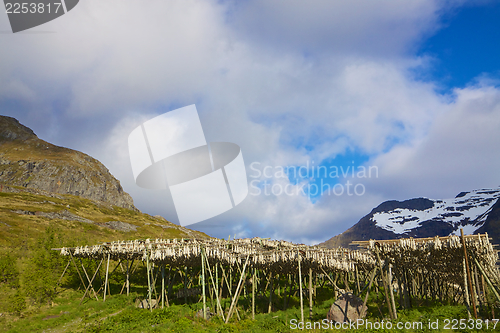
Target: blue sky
[
  {"x": 409, "y": 87},
  {"x": 466, "y": 47}
]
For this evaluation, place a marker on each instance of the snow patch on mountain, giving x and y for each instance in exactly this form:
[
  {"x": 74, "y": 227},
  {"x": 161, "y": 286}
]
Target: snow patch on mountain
[{"x": 467, "y": 210}]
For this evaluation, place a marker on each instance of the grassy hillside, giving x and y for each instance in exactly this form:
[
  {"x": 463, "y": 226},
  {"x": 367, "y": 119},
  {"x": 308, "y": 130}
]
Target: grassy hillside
[{"x": 24, "y": 216}]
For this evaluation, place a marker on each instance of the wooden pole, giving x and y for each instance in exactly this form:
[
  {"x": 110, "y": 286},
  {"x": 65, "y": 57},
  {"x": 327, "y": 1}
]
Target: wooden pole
[
  {"x": 185, "y": 284},
  {"x": 484, "y": 289},
  {"x": 129, "y": 265},
  {"x": 224, "y": 278},
  {"x": 368, "y": 291},
  {"x": 386, "y": 285},
  {"x": 88, "y": 279},
  {"x": 478, "y": 289},
  {"x": 475, "y": 295},
  {"x": 106, "y": 281},
  {"x": 77, "y": 270},
  {"x": 486, "y": 277},
  {"x": 253, "y": 295},
  {"x": 203, "y": 283},
  {"x": 237, "y": 292},
  {"x": 406, "y": 289},
  {"x": 300, "y": 290},
  {"x": 357, "y": 278},
  {"x": 59, "y": 281},
  {"x": 468, "y": 274},
  {"x": 90, "y": 284},
  {"x": 221, "y": 282},
  {"x": 392, "y": 293},
  {"x": 287, "y": 284},
  {"x": 216, "y": 285},
  {"x": 466, "y": 290},
  {"x": 219, "y": 308},
  {"x": 149, "y": 281},
  {"x": 270, "y": 294},
  {"x": 310, "y": 294},
  {"x": 162, "y": 286}
]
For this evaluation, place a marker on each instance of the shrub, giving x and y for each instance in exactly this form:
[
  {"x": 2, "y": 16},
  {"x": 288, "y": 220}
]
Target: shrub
[
  {"x": 8, "y": 270},
  {"x": 43, "y": 269}
]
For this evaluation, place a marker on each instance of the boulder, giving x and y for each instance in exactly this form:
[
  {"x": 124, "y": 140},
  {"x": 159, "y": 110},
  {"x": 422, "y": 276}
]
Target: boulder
[
  {"x": 144, "y": 304},
  {"x": 348, "y": 307},
  {"x": 199, "y": 314}
]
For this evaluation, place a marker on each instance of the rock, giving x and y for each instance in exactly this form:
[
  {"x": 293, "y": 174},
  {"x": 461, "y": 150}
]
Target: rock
[
  {"x": 120, "y": 226},
  {"x": 27, "y": 161},
  {"x": 199, "y": 314},
  {"x": 144, "y": 304},
  {"x": 63, "y": 215},
  {"x": 347, "y": 307},
  {"x": 11, "y": 129}
]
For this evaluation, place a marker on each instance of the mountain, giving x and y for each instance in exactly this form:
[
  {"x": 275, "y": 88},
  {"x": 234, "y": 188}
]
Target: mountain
[
  {"x": 46, "y": 186},
  {"x": 476, "y": 211},
  {"x": 29, "y": 162}
]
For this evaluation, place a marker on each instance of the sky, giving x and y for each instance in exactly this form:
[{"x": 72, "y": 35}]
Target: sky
[{"x": 374, "y": 100}]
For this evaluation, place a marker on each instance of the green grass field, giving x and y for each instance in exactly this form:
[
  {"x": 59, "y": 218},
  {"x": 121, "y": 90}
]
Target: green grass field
[{"x": 119, "y": 314}]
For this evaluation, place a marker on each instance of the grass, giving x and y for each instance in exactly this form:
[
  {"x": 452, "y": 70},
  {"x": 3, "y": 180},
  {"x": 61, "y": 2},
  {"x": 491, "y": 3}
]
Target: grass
[
  {"x": 29, "y": 269},
  {"x": 119, "y": 314},
  {"x": 17, "y": 229}
]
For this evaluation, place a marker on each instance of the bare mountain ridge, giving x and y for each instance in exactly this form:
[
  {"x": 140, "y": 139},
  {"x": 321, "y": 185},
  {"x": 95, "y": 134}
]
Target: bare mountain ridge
[{"x": 32, "y": 163}]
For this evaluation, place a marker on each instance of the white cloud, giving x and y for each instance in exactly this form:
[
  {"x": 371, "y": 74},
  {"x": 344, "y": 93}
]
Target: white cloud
[
  {"x": 458, "y": 154},
  {"x": 375, "y": 28}
]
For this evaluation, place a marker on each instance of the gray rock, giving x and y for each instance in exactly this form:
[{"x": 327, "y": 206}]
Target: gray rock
[
  {"x": 27, "y": 161},
  {"x": 199, "y": 314},
  {"x": 120, "y": 226},
  {"x": 347, "y": 307},
  {"x": 144, "y": 304},
  {"x": 63, "y": 215},
  {"x": 11, "y": 129}
]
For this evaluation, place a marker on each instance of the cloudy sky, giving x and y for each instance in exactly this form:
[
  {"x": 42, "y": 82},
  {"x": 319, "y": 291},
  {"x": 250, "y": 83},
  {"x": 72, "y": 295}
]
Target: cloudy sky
[{"x": 409, "y": 90}]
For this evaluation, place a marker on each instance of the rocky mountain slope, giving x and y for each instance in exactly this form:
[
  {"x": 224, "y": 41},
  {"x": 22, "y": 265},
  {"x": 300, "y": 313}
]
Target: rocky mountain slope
[
  {"x": 29, "y": 162},
  {"x": 477, "y": 211},
  {"x": 43, "y": 185}
]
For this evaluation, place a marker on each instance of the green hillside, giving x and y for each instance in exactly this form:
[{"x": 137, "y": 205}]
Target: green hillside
[{"x": 31, "y": 224}]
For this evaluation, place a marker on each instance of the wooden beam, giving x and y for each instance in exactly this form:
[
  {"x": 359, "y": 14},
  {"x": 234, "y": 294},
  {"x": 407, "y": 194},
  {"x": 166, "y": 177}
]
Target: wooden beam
[
  {"x": 106, "y": 282},
  {"x": 237, "y": 292},
  {"x": 310, "y": 294},
  {"x": 219, "y": 308},
  {"x": 203, "y": 283},
  {"x": 90, "y": 284},
  {"x": 468, "y": 274},
  {"x": 253, "y": 294},
  {"x": 300, "y": 290}
]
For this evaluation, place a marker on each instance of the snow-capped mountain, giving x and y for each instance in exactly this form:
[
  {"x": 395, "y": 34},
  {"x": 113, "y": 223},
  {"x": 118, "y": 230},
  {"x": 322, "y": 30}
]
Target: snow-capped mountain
[{"x": 476, "y": 211}]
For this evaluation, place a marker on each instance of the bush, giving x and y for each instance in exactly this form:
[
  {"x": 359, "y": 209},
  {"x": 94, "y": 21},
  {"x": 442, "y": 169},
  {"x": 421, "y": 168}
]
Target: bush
[
  {"x": 8, "y": 270},
  {"x": 43, "y": 269},
  {"x": 17, "y": 303}
]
